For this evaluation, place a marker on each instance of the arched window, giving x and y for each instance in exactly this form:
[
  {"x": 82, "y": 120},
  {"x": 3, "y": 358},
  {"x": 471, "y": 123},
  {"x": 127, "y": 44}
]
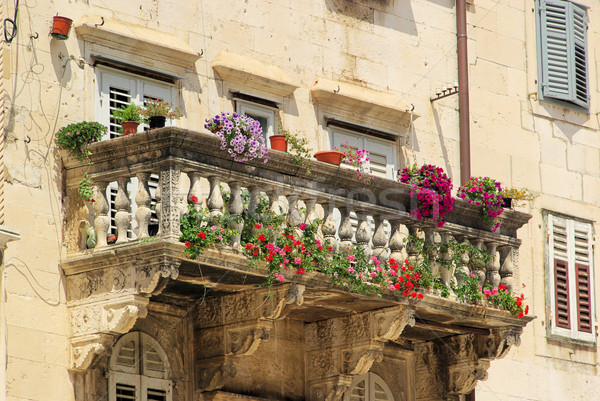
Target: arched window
[
  {"x": 139, "y": 370},
  {"x": 368, "y": 387}
]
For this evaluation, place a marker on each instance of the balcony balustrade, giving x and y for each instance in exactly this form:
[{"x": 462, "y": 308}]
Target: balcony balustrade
[{"x": 110, "y": 285}]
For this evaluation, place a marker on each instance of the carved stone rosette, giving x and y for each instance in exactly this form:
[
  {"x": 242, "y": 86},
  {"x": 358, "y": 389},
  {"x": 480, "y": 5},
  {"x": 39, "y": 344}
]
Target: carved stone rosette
[
  {"x": 233, "y": 326},
  {"x": 106, "y": 296},
  {"x": 340, "y": 348}
]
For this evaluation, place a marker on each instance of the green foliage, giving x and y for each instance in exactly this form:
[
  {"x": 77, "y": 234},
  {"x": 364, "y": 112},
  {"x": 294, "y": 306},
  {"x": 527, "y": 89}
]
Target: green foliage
[
  {"x": 200, "y": 230},
  {"x": 297, "y": 147},
  {"x": 131, "y": 112},
  {"x": 76, "y": 138},
  {"x": 86, "y": 191},
  {"x": 160, "y": 108}
]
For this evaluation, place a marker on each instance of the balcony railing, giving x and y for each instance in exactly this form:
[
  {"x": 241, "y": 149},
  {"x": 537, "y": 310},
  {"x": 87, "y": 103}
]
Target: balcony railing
[{"x": 190, "y": 163}]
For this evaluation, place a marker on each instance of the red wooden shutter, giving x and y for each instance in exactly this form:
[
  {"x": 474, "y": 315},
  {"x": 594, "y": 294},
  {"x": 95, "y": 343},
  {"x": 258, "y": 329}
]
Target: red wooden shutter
[
  {"x": 584, "y": 306},
  {"x": 561, "y": 293}
]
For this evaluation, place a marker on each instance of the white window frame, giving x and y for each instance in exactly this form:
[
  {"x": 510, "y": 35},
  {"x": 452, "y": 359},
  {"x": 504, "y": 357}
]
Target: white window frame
[
  {"x": 338, "y": 135},
  {"x": 370, "y": 379},
  {"x": 249, "y": 108},
  {"x": 553, "y": 330},
  {"x": 136, "y": 375}
]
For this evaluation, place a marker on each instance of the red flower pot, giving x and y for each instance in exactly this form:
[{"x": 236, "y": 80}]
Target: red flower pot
[
  {"x": 278, "y": 142},
  {"x": 129, "y": 127},
  {"x": 61, "y": 27},
  {"x": 330, "y": 156}
]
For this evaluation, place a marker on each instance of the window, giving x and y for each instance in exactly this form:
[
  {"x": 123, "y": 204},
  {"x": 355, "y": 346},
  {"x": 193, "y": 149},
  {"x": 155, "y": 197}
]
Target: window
[
  {"x": 139, "y": 370},
  {"x": 265, "y": 115},
  {"x": 382, "y": 153},
  {"x": 119, "y": 88},
  {"x": 563, "y": 51},
  {"x": 368, "y": 387},
  {"x": 571, "y": 272}
]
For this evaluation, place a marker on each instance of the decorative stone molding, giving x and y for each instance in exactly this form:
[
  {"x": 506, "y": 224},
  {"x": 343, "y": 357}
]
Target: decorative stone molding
[
  {"x": 340, "y": 348},
  {"x": 230, "y": 327},
  {"x": 108, "y": 294}
]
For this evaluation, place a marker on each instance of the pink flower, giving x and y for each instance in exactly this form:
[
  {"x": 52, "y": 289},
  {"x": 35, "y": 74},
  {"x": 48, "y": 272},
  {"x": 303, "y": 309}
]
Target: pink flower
[
  {"x": 350, "y": 269},
  {"x": 350, "y": 258},
  {"x": 297, "y": 260},
  {"x": 302, "y": 226},
  {"x": 281, "y": 278}
]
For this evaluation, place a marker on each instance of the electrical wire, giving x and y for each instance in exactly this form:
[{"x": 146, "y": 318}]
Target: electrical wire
[{"x": 8, "y": 38}]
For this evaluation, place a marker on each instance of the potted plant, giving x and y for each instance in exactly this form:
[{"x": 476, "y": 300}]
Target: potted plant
[
  {"x": 484, "y": 192},
  {"x": 61, "y": 27},
  {"x": 298, "y": 147},
  {"x": 75, "y": 138},
  {"x": 157, "y": 111},
  {"x": 279, "y": 141},
  {"x": 358, "y": 159},
  {"x": 431, "y": 189},
  {"x": 330, "y": 156},
  {"x": 241, "y": 136},
  {"x": 512, "y": 196},
  {"x": 129, "y": 116}
]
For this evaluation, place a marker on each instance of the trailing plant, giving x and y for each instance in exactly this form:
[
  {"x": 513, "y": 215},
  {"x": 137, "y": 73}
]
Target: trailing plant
[
  {"x": 86, "y": 191},
  {"x": 76, "y": 138},
  {"x": 297, "y": 147},
  {"x": 130, "y": 112},
  {"x": 430, "y": 188},
  {"x": 200, "y": 230},
  {"x": 484, "y": 192},
  {"x": 240, "y": 135},
  {"x": 160, "y": 108},
  {"x": 358, "y": 159}
]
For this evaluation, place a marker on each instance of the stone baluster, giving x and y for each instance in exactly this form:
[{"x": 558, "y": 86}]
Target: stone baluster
[
  {"x": 294, "y": 216},
  {"x": 195, "y": 189},
  {"x": 508, "y": 256},
  {"x": 311, "y": 210},
  {"x": 102, "y": 221},
  {"x": 493, "y": 265},
  {"x": 215, "y": 199},
  {"x": 447, "y": 269},
  {"x": 235, "y": 209},
  {"x": 122, "y": 216},
  {"x": 254, "y": 199},
  {"x": 477, "y": 265},
  {"x": 329, "y": 227},
  {"x": 363, "y": 232},
  {"x": 345, "y": 231},
  {"x": 411, "y": 247},
  {"x": 397, "y": 248},
  {"x": 462, "y": 270},
  {"x": 143, "y": 201},
  {"x": 169, "y": 199},
  {"x": 380, "y": 239},
  {"x": 430, "y": 247}
]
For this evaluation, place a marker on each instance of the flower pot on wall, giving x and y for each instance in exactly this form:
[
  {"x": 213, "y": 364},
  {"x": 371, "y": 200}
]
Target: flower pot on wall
[
  {"x": 157, "y": 121},
  {"x": 61, "y": 27},
  {"x": 330, "y": 156},
  {"x": 278, "y": 142},
  {"x": 129, "y": 127}
]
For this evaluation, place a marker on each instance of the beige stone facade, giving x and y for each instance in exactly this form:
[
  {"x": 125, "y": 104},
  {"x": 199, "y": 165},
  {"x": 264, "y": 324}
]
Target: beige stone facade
[{"x": 363, "y": 69}]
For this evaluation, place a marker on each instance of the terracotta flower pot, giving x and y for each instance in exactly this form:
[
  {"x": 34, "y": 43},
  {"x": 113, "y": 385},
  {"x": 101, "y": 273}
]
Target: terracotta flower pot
[
  {"x": 129, "y": 127},
  {"x": 157, "y": 121},
  {"x": 330, "y": 156},
  {"x": 61, "y": 27},
  {"x": 278, "y": 142}
]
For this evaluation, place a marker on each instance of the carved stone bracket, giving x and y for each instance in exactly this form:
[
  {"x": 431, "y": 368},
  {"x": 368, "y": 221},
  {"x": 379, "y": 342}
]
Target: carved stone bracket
[
  {"x": 233, "y": 326},
  {"x": 106, "y": 296},
  {"x": 340, "y": 348}
]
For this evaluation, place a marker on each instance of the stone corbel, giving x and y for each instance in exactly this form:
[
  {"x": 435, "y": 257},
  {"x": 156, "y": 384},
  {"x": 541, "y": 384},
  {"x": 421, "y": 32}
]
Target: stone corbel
[
  {"x": 121, "y": 318},
  {"x": 215, "y": 373},
  {"x": 244, "y": 341},
  {"x": 463, "y": 376},
  {"x": 391, "y": 323},
  {"x": 85, "y": 349},
  {"x": 331, "y": 389},
  {"x": 359, "y": 360},
  {"x": 294, "y": 296},
  {"x": 153, "y": 279}
]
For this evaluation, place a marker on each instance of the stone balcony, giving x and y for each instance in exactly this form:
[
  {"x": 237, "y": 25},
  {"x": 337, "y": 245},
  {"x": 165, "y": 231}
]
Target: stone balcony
[{"x": 110, "y": 286}]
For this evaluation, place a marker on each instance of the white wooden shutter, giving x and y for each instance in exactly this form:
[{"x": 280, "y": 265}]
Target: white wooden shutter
[
  {"x": 583, "y": 276},
  {"x": 368, "y": 387},
  {"x": 579, "y": 29}
]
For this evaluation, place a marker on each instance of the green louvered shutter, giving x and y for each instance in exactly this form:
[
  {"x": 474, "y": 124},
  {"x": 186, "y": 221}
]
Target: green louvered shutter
[
  {"x": 580, "y": 56},
  {"x": 563, "y": 32}
]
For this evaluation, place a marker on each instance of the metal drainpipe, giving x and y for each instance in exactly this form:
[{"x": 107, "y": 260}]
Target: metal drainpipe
[{"x": 463, "y": 91}]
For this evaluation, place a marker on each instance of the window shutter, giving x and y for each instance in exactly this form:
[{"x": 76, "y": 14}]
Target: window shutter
[
  {"x": 580, "y": 57},
  {"x": 156, "y": 395},
  {"x": 583, "y": 277},
  {"x": 126, "y": 392},
  {"x": 555, "y": 49},
  {"x": 561, "y": 293}
]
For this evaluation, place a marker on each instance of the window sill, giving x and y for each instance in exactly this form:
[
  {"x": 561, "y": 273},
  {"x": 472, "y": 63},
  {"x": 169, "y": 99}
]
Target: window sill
[
  {"x": 562, "y": 111},
  {"x": 565, "y": 339}
]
